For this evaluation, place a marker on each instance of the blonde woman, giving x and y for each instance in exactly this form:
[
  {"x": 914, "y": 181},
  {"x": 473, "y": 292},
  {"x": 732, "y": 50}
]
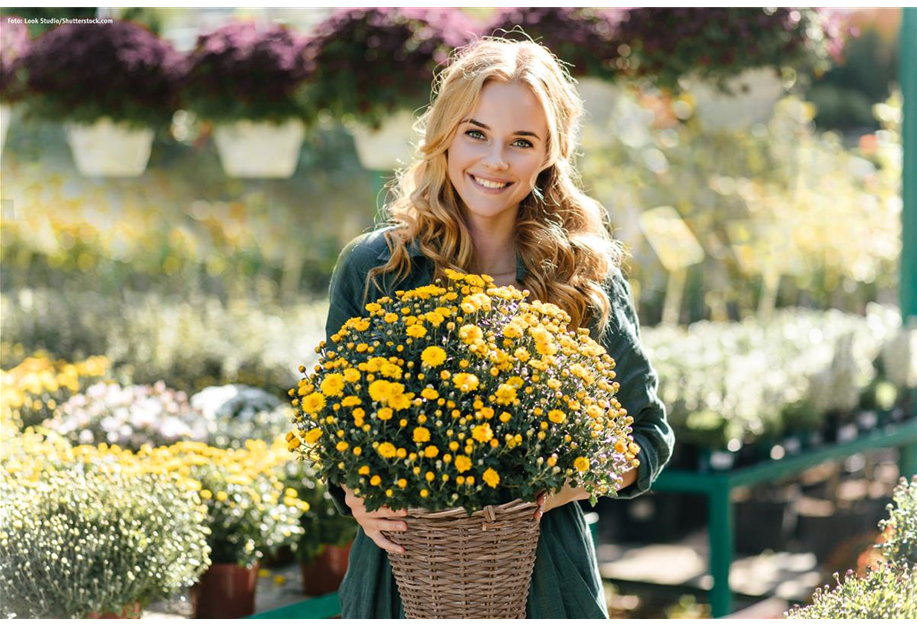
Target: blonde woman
[{"x": 494, "y": 191}]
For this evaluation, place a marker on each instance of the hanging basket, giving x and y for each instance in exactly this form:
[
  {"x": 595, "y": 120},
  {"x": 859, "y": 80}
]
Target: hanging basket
[
  {"x": 387, "y": 147},
  {"x": 106, "y": 148},
  {"x": 5, "y": 112},
  {"x": 260, "y": 150},
  {"x": 756, "y": 94},
  {"x": 460, "y": 567}
]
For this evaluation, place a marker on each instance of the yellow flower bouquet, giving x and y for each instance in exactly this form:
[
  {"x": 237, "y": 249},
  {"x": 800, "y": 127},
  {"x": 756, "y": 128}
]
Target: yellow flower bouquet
[{"x": 463, "y": 400}]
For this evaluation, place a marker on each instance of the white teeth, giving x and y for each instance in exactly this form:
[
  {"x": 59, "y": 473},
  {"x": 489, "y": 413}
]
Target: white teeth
[{"x": 489, "y": 184}]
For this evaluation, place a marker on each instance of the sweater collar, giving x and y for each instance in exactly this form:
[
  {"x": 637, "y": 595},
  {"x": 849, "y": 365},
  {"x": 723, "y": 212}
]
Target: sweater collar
[{"x": 413, "y": 248}]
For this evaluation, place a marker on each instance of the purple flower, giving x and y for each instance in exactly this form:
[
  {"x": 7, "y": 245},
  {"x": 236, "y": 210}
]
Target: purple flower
[
  {"x": 14, "y": 41},
  {"x": 718, "y": 43},
  {"x": 585, "y": 38},
  {"x": 85, "y": 71},
  {"x": 371, "y": 62},
  {"x": 246, "y": 70}
]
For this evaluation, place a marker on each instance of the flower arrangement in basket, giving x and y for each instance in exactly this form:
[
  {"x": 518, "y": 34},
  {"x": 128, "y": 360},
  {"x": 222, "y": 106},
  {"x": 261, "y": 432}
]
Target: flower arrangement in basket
[{"x": 461, "y": 403}]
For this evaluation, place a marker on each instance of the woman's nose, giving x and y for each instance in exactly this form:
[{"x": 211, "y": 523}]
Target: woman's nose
[{"x": 495, "y": 159}]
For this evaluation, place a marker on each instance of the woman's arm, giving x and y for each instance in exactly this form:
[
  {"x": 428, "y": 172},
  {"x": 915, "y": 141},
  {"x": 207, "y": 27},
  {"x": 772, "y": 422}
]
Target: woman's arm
[{"x": 637, "y": 393}]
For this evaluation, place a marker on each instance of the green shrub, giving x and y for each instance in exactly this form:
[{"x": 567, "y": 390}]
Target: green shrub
[
  {"x": 889, "y": 591},
  {"x": 900, "y": 544}
]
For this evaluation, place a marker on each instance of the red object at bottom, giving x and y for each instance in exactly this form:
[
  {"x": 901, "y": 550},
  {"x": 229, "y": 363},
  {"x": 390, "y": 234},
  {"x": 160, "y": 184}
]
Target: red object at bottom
[
  {"x": 131, "y": 610},
  {"x": 225, "y": 591},
  {"x": 326, "y": 572}
]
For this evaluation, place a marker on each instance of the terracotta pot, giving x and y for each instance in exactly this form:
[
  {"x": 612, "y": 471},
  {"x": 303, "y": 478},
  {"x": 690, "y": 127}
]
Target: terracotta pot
[
  {"x": 225, "y": 591},
  {"x": 129, "y": 617},
  {"x": 326, "y": 572}
]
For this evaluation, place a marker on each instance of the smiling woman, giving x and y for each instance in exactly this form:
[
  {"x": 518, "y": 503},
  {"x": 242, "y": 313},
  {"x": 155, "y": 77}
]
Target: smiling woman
[
  {"x": 493, "y": 191},
  {"x": 494, "y": 161}
]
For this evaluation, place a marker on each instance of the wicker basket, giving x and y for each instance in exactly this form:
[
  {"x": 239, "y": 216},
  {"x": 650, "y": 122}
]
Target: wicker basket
[{"x": 460, "y": 567}]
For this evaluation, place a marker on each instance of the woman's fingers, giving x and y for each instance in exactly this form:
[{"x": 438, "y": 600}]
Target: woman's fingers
[
  {"x": 540, "y": 500},
  {"x": 384, "y": 543}
]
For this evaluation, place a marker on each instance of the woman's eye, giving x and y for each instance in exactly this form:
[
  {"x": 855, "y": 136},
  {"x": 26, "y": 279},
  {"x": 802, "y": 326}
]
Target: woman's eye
[
  {"x": 524, "y": 143},
  {"x": 528, "y": 144},
  {"x": 475, "y": 133}
]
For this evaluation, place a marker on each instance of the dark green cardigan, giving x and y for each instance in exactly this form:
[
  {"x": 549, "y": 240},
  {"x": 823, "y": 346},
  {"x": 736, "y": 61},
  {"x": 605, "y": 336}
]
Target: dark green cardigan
[{"x": 565, "y": 582}]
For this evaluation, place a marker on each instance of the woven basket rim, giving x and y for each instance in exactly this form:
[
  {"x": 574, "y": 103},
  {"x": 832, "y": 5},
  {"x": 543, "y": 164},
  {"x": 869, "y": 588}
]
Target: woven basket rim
[{"x": 509, "y": 507}]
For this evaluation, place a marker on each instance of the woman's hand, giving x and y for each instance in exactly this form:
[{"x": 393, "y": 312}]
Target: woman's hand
[
  {"x": 374, "y": 523},
  {"x": 546, "y": 502}
]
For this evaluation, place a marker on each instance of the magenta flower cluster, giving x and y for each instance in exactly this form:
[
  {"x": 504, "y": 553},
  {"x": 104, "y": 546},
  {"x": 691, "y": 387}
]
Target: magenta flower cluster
[{"x": 14, "y": 41}]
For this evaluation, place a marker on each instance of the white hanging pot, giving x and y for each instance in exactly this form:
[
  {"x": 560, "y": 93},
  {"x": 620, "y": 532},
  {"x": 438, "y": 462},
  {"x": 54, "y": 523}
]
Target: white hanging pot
[
  {"x": 5, "y": 112},
  {"x": 756, "y": 93},
  {"x": 387, "y": 147},
  {"x": 263, "y": 150},
  {"x": 106, "y": 148}
]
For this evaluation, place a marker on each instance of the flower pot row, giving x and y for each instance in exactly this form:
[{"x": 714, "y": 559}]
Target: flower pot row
[
  {"x": 247, "y": 148},
  {"x": 837, "y": 428}
]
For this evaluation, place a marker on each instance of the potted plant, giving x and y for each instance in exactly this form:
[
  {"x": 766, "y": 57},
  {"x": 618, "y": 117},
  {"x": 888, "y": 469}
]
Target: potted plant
[
  {"x": 733, "y": 61},
  {"x": 112, "y": 84},
  {"x": 248, "y": 510},
  {"x": 373, "y": 69},
  {"x": 463, "y": 430},
  {"x": 244, "y": 78},
  {"x": 14, "y": 41},
  {"x": 888, "y": 590},
  {"x": 323, "y": 549},
  {"x": 92, "y": 532}
]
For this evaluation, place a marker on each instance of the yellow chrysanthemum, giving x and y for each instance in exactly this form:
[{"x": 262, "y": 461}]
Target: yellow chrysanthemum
[
  {"x": 431, "y": 451},
  {"x": 400, "y": 401},
  {"x": 380, "y": 390},
  {"x": 333, "y": 384},
  {"x": 462, "y": 463},
  {"x": 471, "y": 333},
  {"x": 482, "y": 433},
  {"x": 387, "y": 450},
  {"x": 505, "y": 394},
  {"x": 555, "y": 415},
  {"x": 351, "y": 401},
  {"x": 433, "y": 356},
  {"x": 430, "y": 394},
  {"x": 313, "y": 436},
  {"x": 421, "y": 435},
  {"x": 351, "y": 375},
  {"x": 465, "y": 381},
  {"x": 491, "y": 477},
  {"x": 313, "y": 403},
  {"x": 364, "y": 470},
  {"x": 416, "y": 330},
  {"x": 581, "y": 464}
]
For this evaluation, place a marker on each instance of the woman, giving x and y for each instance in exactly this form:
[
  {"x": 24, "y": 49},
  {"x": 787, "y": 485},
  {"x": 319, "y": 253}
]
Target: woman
[{"x": 493, "y": 192}]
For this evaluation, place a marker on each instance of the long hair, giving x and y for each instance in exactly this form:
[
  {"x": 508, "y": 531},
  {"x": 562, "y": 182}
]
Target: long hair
[{"x": 561, "y": 233}]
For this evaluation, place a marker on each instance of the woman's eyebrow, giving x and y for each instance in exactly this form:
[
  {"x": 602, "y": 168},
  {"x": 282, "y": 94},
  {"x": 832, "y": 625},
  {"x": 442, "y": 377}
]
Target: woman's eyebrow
[{"x": 487, "y": 128}]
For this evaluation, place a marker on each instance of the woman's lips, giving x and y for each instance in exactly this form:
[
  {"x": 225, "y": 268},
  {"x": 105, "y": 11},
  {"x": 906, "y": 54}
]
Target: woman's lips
[{"x": 488, "y": 190}]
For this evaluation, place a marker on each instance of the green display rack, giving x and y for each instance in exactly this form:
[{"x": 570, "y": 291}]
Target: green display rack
[{"x": 718, "y": 487}]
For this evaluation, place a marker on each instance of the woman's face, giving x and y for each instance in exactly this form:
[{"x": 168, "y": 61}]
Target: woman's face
[{"x": 498, "y": 151}]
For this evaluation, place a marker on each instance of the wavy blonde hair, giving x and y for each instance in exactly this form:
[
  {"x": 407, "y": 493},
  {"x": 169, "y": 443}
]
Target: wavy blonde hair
[{"x": 562, "y": 234}]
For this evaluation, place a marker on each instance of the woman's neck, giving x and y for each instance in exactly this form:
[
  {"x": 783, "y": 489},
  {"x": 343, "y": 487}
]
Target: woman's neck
[{"x": 494, "y": 248}]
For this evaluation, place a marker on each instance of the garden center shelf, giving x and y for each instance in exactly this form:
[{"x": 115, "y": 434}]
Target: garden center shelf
[{"x": 718, "y": 487}]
